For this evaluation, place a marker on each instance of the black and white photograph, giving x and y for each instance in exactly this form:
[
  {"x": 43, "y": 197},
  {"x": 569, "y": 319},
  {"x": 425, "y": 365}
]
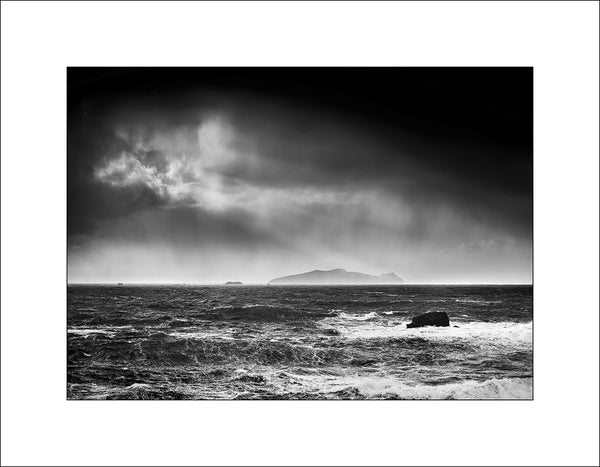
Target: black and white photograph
[{"x": 300, "y": 233}]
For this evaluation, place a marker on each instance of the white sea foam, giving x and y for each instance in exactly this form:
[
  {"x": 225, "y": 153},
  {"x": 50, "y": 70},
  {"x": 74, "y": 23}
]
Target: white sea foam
[
  {"x": 139, "y": 386},
  {"x": 374, "y": 387},
  {"x": 87, "y": 332},
  {"x": 105, "y": 330},
  {"x": 364, "y": 317},
  {"x": 379, "y": 386},
  {"x": 500, "y": 332},
  {"x": 201, "y": 335}
]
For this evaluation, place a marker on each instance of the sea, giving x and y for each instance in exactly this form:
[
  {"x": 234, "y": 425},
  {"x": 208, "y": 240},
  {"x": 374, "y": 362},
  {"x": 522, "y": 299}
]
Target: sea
[{"x": 298, "y": 342}]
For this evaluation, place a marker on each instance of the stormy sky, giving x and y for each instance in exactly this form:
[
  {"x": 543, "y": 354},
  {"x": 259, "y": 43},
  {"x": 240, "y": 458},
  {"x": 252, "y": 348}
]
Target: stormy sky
[{"x": 206, "y": 175}]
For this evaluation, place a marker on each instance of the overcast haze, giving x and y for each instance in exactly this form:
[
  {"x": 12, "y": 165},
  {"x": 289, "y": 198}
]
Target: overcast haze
[{"x": 214, "y": 175}]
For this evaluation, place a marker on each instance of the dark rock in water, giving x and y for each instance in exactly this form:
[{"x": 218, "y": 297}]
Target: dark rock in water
[
  {"x": 434, "y": 318},
  {"x": 331, "y": 332}
]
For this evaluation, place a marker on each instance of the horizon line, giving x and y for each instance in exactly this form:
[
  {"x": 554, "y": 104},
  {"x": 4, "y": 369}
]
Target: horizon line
[{"x": 279, "y": 285}]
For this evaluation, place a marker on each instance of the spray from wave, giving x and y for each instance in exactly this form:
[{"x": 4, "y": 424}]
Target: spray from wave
[{"x": 378, "y": 388}]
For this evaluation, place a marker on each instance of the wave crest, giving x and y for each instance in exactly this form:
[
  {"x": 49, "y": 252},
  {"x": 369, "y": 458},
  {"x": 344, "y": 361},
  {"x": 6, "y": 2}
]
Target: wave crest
[
  {"x": 376, "y": 388},
  {"x": 365, "y": 317},
  {"x": 504, "y": 330}
]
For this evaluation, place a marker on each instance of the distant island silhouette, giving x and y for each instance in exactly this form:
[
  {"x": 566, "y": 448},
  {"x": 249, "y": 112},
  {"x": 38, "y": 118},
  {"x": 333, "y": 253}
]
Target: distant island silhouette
[
  {"x": 233, "y": 283},
  {"x": 337, "y": 276}
]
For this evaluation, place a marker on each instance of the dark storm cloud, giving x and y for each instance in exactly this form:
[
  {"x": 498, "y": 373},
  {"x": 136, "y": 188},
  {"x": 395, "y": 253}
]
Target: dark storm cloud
[
  {"x": 291, "y": 159},
  {"x": 476, "y": 177}
]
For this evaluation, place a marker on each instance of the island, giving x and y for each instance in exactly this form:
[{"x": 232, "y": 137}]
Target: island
[
  {"x": 233, "y": 283},
  {"x": 335, "y": 277}
]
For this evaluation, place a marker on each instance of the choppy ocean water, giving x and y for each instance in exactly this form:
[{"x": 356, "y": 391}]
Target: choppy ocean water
[{"x": 297, "y": 342}]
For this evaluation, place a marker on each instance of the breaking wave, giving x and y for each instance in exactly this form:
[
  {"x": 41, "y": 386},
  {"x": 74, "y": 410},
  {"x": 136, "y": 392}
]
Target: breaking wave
[
  {"x": 509, "y": 331},
  {"x": 357, "y": 317},
  {"x": 377, "y": 388}
]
